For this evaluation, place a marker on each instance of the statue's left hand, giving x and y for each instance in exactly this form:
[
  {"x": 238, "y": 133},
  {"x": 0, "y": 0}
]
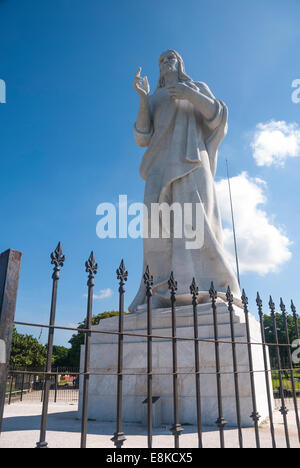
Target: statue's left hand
[{"x": 179, "y": 91}]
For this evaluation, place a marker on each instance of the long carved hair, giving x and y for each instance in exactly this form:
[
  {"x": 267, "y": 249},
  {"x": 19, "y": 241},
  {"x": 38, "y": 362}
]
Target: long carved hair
[{"x": 182, "y": 75}]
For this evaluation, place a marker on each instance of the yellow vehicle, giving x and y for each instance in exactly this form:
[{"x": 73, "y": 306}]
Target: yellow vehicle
[{"x": 62, "y": 381}]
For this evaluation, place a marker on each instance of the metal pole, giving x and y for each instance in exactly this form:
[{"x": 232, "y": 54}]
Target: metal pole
[
  {"x": 290, "y": 364},
  {"x": 57, "y": 259},
  {"x": 122, "y": 275},
  {"x": 255, "y": 416},
  {"x": 148, "y": 280},
  {"x": 55, "y": 390},
  {"x": 233, "y": 227},
  {"x": 11, "y": 387},
  {"x": 295, "y": 317},
  {"x": 235, "y": 367},
  {"x": 91, "y": 268},
  {"x": 283, "y": 410},
  {"x": 22, "y": 388},
  {"x": 176, "y": 429},
  {"x": 42, "y": 389},
  {"x": 10, "y": 262},
  {"x": 195, "y": 292},
  {"x": 266, "y": 365},
  {"x": 221, "y": 423}
]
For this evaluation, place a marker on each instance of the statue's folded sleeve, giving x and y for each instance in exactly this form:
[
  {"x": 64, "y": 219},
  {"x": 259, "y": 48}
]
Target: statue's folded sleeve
[{"x": 141, "y": 138}]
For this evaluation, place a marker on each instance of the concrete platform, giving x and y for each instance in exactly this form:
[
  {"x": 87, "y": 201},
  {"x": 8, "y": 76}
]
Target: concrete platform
[{"x": 104, "y": 352}]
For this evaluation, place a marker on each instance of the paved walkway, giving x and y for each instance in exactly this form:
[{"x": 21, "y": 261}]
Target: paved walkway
[{"x": 22, "y": 421}]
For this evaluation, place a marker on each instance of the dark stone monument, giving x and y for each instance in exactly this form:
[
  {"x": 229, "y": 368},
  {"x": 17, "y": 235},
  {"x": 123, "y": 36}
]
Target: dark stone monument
[{"x": 10, "y": 262}]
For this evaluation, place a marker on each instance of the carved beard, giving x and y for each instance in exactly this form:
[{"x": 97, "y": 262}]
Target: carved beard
[{"x": 169, "y": 68}]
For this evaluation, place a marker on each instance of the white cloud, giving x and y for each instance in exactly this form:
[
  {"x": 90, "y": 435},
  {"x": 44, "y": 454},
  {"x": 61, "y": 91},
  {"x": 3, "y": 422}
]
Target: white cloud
[
  {"x": 273, "y": 142},
  {"x": 103, "y": 294},
  {"x": 262, "y": 246}
]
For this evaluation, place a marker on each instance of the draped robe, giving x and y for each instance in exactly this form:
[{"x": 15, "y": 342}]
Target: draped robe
[{"x": 179, "y": 166}]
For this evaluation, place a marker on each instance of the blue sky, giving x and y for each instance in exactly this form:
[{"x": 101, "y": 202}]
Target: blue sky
[{"x": 66, "y": 142}]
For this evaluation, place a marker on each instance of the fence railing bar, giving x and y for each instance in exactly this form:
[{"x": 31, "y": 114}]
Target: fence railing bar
[
  {"x": 176, "y": 429},
  {"x": 140, "y": 335},
  {"x": 270, "y": 371},
  {"x": 43, "y": 389},
  {"x": 57, "y": 259},
  {"x": 267, "y": 369},
  {"x": 122, "y": 275},
  {"x": 91, "y": 268},
  {"x": 284, "y": 315},
  {"x": 148, "y": 280},
  {"x": 296, "y": 319},
  {"x": 55, "y": 388},
  {"x": 195, "y": 292},
  {"x": 255, "y": 416},
  {"x": 221, "y": 422},
  {"x": 22, "y": 387},
  {"x": 283, "y": 410},
  {"x": 235, "y": 367},
  {"x": 10, "y": 389}
]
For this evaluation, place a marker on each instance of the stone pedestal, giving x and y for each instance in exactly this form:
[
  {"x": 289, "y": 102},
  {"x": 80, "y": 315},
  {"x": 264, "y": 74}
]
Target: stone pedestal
[{"x": 104, "y": 353}]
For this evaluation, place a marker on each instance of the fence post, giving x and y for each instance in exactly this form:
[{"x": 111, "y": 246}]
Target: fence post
[
  {"x": 255, "y": 416},
  {"x": 283, "y": 410},
  {"x": 57, "y": 259},
  {"x": 229, "y": 297},
  {"x": 10, "y": 262},
  {"x": 290, "y": 364},
  {"x": 11, "y": 387},
  {"x": 176, "y": 429},
  {"x": 266, "y": 365},
  {"x": 91, "y": 268},
  {"x": 22, "y": 387},
  {"x": 148, "y": 280},
  {"x": 195, "y": 292},
  {"x": 55, "y": 391},
  {"x": 295, "y": 317},
  {"x": 122, "y": 275},
  {"x": 221, "y": 422}
]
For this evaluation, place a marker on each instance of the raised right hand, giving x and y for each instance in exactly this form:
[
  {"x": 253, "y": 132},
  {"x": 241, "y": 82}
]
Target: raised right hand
[{"x": 140, "y": 84}]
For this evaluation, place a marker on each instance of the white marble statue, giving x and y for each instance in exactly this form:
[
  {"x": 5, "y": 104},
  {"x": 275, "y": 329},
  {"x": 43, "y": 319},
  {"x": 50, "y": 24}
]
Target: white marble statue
[{"x": 182, "y": 125}]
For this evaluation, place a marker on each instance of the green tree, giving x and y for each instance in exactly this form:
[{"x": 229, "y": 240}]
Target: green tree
[
  {"x": 61, "y": 356},
  {"x": 27, "y": 352},
  {"x": 270, "y": 336},
  {"x": 78, "y": 339}
]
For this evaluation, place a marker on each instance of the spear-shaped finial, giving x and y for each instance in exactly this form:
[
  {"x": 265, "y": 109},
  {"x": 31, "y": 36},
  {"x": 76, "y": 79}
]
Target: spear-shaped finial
[
  {"x": 122, "y": 274},
  {"x": 212, "y": 292},
  {"x": 57, "y": 259},
  {"x": 259, "y": 305},
  {"x": 244, "y": 298},
  {"x": 272, "y": 306},
  {"x": 148, "y": 280},
  {"x": 194, "y": 288},
  {"x": 229, "y": 295},
  {"x": 91, "y": 267},
  {"x": 258, "y": 300},
  {"x": 172, "y": 283},
  {"x": 282, "y": 307},
  {"x": 194, "y": 291}
]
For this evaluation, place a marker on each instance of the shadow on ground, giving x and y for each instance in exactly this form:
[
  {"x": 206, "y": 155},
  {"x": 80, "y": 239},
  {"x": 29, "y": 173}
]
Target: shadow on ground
[{"x": 69, "y": 422}]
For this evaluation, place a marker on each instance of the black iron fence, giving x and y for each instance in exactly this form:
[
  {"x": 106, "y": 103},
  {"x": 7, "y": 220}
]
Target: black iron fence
[
  {"x": 28, "y": 385},
  {"x": 281, "y": 377}
]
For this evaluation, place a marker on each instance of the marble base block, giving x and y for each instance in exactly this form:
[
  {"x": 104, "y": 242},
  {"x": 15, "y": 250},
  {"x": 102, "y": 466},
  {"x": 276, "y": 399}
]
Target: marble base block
[{"x": 104, "y": 358}]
